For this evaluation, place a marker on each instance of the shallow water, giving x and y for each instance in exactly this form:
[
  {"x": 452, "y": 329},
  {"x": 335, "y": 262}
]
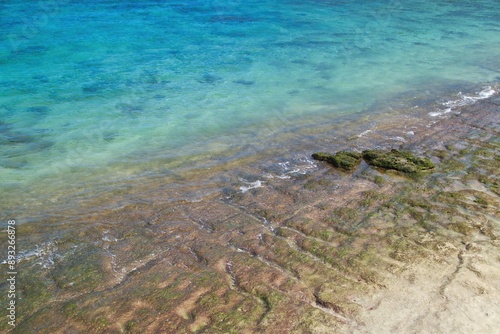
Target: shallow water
[{"x": 95, "y": 94}]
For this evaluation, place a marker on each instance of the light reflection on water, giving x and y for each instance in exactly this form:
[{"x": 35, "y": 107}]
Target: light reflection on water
[{"x": 102, "y": 94}]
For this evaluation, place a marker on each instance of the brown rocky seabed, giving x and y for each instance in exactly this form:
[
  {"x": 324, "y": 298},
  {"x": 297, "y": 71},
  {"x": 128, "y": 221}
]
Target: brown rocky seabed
[{"x": 321, "y": 252}]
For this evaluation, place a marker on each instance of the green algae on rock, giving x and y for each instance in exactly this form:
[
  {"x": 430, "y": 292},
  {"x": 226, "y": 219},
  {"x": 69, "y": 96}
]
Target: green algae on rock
[
  {"x": 402, "y": 161},
  {"x": 343, "y": 159}
]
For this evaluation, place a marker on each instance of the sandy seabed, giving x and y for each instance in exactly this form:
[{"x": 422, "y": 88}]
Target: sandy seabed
[{"x": 294, "y": 246}]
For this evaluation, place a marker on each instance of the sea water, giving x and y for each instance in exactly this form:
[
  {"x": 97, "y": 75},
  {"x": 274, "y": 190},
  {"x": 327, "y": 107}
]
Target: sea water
[{"x": 104, "y": 91}]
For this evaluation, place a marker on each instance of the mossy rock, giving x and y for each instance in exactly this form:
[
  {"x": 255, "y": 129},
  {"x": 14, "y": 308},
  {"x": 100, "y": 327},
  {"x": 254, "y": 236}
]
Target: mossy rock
[
  {"x": 402, "y": 161},
  {"x": 345, "y": 160}
]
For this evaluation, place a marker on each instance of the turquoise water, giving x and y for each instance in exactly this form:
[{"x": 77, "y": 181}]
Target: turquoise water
[{"x": 102, "y": 91}]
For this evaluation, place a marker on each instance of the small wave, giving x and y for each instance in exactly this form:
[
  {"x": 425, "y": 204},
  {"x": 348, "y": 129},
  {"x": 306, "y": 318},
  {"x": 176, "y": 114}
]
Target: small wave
[
  {"x": 282, "y": 176},
  {"x": 397, "y": 138},
  {"x": 45, "y": 254},
  {"x": 464, "y": 100},
  {"x": 107, "y": 238},
  {"x": 300, "y": 166},
  {"x": 251, "y": 185},
  {"x": 282, "y": 170},
  {"x": 440, "y": 113},
  {"x": 364, "y": 133},
  {"x": 285, "y": 170}
]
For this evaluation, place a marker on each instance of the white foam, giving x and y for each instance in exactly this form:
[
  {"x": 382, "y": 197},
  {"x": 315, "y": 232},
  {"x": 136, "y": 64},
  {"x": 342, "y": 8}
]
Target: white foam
[
  {"x": 486, "y": 92},
  {"x": 105, "y": 237},
  {"x": 399, "y": 139},
  {"x": 282, "y": 176},
  {"x": 300, "y": 165},
  {"x": 463, "y": 101},
  {"x": 251, "y": 185},
  {"x": 440, "y": 113},
  {"x": 364, "y": 133},
  {"x": 45, "y": 255}
]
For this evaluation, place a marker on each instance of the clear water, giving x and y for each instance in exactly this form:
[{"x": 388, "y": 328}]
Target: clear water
[{"x": 102, "y": 91}]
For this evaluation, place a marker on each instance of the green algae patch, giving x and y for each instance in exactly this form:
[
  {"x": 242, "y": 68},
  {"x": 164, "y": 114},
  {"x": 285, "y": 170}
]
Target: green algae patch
[
  {"x": 81, "y": 271},
  {"x": 402, "y": 161},
  {"x": 34, "y": 291},
  {"x": 399, "y": 160},
  {"x": 344, "y": 160}
]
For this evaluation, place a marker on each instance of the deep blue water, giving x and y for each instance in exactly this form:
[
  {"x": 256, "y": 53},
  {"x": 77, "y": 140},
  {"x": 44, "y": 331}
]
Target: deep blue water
[{"x": 99, "y": 90}]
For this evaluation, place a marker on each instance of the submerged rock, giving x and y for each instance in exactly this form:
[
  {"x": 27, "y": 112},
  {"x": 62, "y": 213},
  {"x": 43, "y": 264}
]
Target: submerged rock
[
  {"x": 244, "y": 82},
  {"x": 402, "y": 161},
  {"x": 343, "y": 159},
  {"x": 41, "y": 110},
  {"x": 209, "y": 79}
]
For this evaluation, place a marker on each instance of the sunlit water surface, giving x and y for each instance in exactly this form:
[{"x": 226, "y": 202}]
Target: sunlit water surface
[{"x": 98, "y": 93}]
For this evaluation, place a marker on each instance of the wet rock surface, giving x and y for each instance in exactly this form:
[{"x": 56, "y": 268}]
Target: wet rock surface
[
  {"x": 314, "y": 252},
  {"x": 393, "y": 159},
  {"x": 344, "y": 160},
  {"x": 402, "y": 161}
]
